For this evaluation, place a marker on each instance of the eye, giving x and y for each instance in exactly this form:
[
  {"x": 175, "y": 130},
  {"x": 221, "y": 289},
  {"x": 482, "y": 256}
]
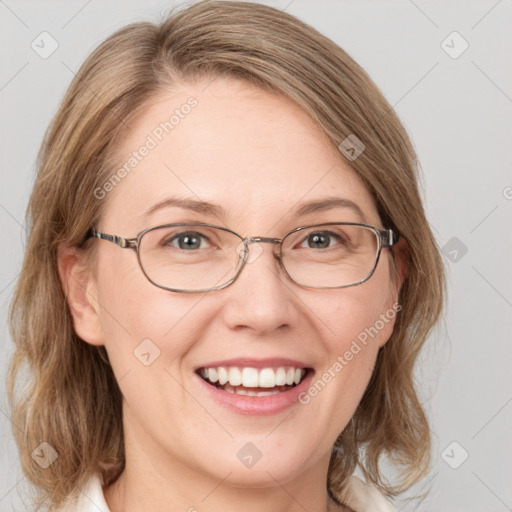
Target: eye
[
  {"x": 187, "y": 240},
  {"x": 322, "y": 240}
]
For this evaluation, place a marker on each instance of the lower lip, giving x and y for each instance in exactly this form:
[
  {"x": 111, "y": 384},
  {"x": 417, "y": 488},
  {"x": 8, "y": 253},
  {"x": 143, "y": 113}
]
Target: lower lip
[{"x": 258, "y": 405}]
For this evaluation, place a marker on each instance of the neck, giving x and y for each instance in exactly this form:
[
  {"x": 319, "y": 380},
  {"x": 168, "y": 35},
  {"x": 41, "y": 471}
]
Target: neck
[
  {"x": 154, "y": 480},
  {"x": 125, "y": 497}
]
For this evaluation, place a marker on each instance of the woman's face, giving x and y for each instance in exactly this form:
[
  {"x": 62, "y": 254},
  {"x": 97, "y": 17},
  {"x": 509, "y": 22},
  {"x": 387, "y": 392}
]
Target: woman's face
[{"x": 260, "y": 158}]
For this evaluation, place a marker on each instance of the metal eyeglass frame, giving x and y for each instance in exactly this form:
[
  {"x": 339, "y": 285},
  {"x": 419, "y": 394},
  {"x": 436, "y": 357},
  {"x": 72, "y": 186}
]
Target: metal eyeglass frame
[{"x": 386, "y": 237}]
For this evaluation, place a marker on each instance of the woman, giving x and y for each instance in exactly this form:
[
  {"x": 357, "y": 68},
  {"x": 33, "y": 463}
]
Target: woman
[{"x": 228, "y": 279}]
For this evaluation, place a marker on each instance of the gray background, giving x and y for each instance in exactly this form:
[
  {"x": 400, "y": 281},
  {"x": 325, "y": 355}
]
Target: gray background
[{"x": 457, "y": 111}]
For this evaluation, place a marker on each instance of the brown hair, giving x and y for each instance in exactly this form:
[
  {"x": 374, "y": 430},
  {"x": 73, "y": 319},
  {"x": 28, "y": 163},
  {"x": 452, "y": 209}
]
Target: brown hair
[{"x": 69, "y": 397}]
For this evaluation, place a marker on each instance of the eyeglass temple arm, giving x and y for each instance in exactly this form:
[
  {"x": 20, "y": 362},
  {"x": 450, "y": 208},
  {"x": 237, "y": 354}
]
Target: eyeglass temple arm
[
  {"x": 124, "y": 243},
  {"x": 388, "y": 237}
]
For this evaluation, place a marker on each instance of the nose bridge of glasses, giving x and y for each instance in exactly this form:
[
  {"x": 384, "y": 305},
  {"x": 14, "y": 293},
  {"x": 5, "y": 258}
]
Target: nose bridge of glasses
[
  {"x": 264, "y": 239},
  {"x": 251, "y": 256}
]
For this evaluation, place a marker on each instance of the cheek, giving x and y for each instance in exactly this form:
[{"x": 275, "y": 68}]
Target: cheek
[
  {"x": 133, "y": 310},
  {"x": 365, "y": 313},
  {"x": 359, "y": 320}
]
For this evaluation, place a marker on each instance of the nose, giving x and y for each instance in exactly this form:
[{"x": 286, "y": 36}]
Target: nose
[{"x": 261, "y": 299}]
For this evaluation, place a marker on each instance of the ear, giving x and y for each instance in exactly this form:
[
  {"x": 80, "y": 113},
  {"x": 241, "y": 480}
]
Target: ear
[{"x": 80, "y": 288}]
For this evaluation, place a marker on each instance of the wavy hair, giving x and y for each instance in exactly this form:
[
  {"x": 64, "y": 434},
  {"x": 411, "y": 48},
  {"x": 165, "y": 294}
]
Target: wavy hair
[{"x": 61, "y": 389}]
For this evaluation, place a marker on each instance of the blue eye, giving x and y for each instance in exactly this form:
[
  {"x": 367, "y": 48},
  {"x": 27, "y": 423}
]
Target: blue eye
[
  {"x": 188, "y": 240},
  {"x": 322, "y": 239}
]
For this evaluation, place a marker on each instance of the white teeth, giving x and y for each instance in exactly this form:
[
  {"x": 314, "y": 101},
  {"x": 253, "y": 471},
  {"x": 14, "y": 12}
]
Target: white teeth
[
  {"x": 267, "y": 378},
  {"x": 253, "y": 377},
  {"x": 250, "y": 377},
  {"x": 223, "y": 375},
  {"x": 248, "y": 392},
  {"x": 212, "y": 375},
  {"x": 281, "y": 377},
  {"x": 266, "y": 393},
  {"x": 235, "y": 376}
]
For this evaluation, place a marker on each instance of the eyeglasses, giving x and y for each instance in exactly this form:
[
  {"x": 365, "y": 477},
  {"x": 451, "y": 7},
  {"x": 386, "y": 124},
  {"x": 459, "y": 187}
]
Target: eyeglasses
[{"x": 198, "y": 257}]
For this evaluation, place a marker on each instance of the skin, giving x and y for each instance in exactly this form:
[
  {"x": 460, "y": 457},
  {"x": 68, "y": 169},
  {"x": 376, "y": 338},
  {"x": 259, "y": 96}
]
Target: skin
[{"x": 257, "y": 155}]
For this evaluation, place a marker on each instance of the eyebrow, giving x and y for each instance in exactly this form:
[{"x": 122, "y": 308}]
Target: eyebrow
[
  {"x": 207, "y": 208},
  {"x": 323, "y": 205},
  {"x": 203, "y": 207}
]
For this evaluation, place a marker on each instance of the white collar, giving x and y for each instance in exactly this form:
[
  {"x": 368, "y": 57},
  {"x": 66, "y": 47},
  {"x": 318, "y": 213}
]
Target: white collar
[
  {"x": 357, "y": 495},
  {"x": 89, "y": 499},
  {"x": 363, "y": 497}
]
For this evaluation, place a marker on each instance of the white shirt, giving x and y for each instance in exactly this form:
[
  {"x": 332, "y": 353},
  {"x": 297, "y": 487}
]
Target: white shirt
[{"x": 357, "y": 495}]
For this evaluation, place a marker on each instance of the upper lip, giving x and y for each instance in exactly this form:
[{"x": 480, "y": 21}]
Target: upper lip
[{"x": 250, "y": 362}]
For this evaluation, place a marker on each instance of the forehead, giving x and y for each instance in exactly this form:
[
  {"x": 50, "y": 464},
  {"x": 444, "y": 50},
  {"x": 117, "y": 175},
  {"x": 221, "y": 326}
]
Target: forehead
[{"x": 255, "y": 154}]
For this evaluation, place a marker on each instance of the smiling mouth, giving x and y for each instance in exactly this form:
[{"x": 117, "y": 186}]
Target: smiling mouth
[{"x": 252, "y": 381}]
